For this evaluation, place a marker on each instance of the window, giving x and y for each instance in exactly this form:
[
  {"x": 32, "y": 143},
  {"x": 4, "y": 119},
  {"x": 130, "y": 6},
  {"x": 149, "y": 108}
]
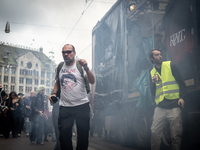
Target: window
[
  {"x": 5, "y": 87},
  {"x": 5, "y": 70},
  {"x": 13, "y": 70},
  {"x": 35, "y": 89},
  {"x": 47, "y": 91},
  {"x": 29, "y": 72},
  {"x": 35, "y": 73},
  {"x": 48, "y": 83},
  {"x": 22, "y": 72},
  {"x": 37, "y": 65},
  {"x": 42, "y": 82},
  {"x": 42, "y": 74},
  {"x": 22, "y": 63},
  {"x": 48, "y": 75},
  {"x": 12, "y": 79},
  {"x": 28, "y": 81},
  {"x": 29, "y": 65},
  {"x": 25, "y": 72},
  {"x": 36, "y": 81},
  {"x": 28, "y": 89},
  {"x": 21, "y": 80},
  {"x": 53, "y": 82},
  {"x": 21, "y": 88},
  {"x": 0, "y": 69},
  {"x": 6, "y": 79},
  {"x": 53, "y": 75},
  {"x": 12, "y": 88}
]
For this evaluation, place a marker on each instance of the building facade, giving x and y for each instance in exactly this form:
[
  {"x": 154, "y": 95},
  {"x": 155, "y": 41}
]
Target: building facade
[{"x": 22, "y": 70}]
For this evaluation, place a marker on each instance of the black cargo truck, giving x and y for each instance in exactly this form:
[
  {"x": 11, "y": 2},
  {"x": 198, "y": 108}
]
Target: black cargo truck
[{"x": 122, "y": 39}]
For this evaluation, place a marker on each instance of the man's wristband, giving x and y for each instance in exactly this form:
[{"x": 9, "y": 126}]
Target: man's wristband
[
  {"x": 54, "y": 93},
  {"x": 86, "y": 69}
]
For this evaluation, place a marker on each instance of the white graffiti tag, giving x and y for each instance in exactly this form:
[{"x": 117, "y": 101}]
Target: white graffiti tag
[{"x": 177, "y": 37}]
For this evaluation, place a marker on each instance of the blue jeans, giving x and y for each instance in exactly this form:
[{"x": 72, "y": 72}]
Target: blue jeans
[
  {"x": 28, "y": 125},
  {"x": 37, "y": 131}
]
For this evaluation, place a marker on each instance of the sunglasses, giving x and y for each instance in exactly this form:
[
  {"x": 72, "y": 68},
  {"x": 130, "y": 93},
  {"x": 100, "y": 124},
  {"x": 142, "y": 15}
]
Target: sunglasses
[{"x": 68, "y": 52}]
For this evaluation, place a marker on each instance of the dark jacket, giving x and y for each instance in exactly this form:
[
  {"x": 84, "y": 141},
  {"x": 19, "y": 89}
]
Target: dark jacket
[
  {"x": 27, "y": 102},
  {"x": 36, "y": 106},
  {"x": 17, "y": 109}
]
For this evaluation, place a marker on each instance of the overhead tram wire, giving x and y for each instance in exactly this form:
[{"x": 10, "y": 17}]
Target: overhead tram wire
[
  {"x": 39, "y": 25},
  {"x": 87, "y": 7},
  {"x": 84, "y": 49},
  {"x": 73, "y": 27}
]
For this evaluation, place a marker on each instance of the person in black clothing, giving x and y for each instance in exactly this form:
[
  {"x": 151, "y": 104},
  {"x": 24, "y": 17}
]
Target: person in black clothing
[
  {"x": 169, "y": 90},
  {"x": 4, "y": 115},
  {"x": 20, "y": 95},
  {"x": 37, "y": 116},
  {"x": 1, "y": 110},
  {"x": 16, "y": 114}
]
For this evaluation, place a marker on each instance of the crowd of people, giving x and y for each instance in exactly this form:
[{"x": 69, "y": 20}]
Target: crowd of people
[
  {"x": 70, "y": 89},
  {"x": 28, "y": 114}
]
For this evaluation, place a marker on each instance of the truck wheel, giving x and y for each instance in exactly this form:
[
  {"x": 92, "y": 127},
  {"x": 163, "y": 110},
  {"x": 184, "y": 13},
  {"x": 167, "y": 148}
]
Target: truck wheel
[
  {"x": 123, "y": 129},
  {"x": 141, "y": 125}
]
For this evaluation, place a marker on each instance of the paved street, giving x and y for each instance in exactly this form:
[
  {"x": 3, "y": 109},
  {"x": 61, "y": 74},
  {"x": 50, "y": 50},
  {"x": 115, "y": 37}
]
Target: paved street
[{"x": 23, "y": 143}]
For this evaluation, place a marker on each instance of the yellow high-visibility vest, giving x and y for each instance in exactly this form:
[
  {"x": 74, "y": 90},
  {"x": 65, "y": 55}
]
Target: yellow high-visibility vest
[{"x": 167, "y": 86}]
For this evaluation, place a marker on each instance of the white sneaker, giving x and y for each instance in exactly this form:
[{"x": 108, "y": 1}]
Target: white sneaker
[
  {"x": 19, "y": 135},
  {"x": 1, "y": 135},
  {"x": 27, "y": 134}
]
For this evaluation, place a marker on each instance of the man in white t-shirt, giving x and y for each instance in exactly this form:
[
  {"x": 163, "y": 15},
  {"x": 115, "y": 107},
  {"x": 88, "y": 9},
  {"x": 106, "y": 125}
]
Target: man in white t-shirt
[{"x": 74, "y": 103}]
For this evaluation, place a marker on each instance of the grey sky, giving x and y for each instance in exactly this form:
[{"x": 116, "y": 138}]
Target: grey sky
[{"x": 50, "y": 23}]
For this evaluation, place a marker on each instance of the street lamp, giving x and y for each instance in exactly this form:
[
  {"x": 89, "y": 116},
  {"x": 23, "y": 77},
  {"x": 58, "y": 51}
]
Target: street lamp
[
  {"x": 132, "y": 6},
  {"x": 7, "y": 28}
]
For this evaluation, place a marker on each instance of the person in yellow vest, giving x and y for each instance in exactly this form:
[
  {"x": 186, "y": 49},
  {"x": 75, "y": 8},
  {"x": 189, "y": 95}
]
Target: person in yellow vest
[{"x": 169, "y": 90}]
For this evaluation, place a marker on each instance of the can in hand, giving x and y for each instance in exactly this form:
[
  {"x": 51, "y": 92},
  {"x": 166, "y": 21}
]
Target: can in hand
[{"x": 54, "y": 99}]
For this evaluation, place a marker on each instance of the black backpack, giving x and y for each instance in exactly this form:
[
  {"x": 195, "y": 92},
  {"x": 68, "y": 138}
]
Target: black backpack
[{"x": 87, "y": 86}]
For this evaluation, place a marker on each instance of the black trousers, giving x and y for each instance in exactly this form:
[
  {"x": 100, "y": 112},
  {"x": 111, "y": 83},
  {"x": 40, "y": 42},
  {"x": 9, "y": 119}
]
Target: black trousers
[
  {"x": 16, "y": 124},
  {"x": 67, "y": 116},
  {"x": 6, "y": 125}
]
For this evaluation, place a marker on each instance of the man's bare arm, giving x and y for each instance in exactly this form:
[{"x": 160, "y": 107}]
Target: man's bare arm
[
  {"x": 89, "y": 76},
  {"x": 55, "y": 90}
]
